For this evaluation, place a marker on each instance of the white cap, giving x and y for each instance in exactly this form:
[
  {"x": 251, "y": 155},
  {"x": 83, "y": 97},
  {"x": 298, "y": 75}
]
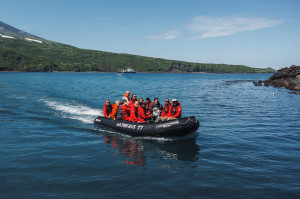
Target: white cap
[
  {"x": 174, "y": 100},
  {"x": 125, "y": 98}
]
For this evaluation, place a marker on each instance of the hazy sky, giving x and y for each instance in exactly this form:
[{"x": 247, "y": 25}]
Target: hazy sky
[{"x": 256, "y": 33}]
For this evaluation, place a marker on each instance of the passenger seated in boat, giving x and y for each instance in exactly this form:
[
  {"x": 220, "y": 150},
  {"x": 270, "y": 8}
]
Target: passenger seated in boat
[
  {"x": 115, "y": 108},
  {"x": 107, "y": 108},
  {"x": 142, "y": 117},
  {"x": 119, "y": 113},
  {"x": 141, "y": 100},
  {"x": 134, "y": 112},
  {"x": 175, "y": 111},
  {"x": 166, "y": 112},
  {"x": 133, "y": 99},
  {"x": 125, "y": 111},
  {"x": 126, "y": 96},
  {"x": 148, "y": 106},
  {"x": 156, "y": 108}
]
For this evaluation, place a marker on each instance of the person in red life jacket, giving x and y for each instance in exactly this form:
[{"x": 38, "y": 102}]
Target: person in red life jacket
[
  {"x": 115, "y": 108},
  {"x": 134, "y": 112},
  {"x": 125, "y": 111},
  {"x": 142, "y": 117},
  {"x": 176, "y": 110},
  {"x": 133, "y": 99},
  {"x": 148, "y": 106},
  {"x": 126, "y": 96},
  {"x": 167, "y": 108},
  {"x": 107, "y": 109},
  {"x": 141, "y": 100},
  {"x": 131, "y": 102}
]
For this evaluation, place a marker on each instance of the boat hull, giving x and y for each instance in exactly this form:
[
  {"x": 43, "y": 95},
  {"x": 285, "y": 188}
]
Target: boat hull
[{"x": 172, "y": 128}]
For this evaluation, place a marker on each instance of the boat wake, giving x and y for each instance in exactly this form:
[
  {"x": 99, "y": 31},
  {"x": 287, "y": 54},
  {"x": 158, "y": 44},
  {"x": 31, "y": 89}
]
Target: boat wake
[{"x": 73, "y": 110}]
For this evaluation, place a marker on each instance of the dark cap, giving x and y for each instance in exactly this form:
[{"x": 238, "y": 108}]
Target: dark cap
[{"x": 147, "y": 98}]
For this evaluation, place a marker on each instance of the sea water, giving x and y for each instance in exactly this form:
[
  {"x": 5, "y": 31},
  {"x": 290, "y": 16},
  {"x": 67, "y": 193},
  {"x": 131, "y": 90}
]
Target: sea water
[{"x": 247, "y": 145}]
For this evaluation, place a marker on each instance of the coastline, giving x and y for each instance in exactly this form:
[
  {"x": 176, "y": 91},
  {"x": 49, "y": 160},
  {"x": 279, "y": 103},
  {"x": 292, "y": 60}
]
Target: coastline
[
  {"x": 288, "y": 78},
  {"x": 119, "y": 72}
]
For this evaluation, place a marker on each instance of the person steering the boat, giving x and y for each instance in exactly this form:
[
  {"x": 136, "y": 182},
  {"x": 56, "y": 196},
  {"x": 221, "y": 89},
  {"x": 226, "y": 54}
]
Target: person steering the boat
[
  {"x": 175, "y": 112},
  {"x": 107, "y": 108}
]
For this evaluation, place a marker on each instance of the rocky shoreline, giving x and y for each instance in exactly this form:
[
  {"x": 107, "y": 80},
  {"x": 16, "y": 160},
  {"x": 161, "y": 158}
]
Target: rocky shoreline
[{"x": 285, "y": 77}]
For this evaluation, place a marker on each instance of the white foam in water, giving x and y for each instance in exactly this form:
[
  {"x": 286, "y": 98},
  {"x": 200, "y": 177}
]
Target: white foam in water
[{"x": 74, "y": 111}]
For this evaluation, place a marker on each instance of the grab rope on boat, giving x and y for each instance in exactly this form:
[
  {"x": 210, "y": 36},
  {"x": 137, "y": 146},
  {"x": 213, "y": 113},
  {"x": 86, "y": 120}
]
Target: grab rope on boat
[{"x": 187, "y": 121}]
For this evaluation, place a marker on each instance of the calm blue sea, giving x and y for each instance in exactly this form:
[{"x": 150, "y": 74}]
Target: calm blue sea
[{"x": 247, "y": 145}]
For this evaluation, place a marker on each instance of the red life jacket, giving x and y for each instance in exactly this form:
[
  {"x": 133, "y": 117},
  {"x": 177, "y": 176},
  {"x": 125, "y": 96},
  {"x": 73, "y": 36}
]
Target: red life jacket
[
  {"x": 114, "y": 111},
  {"x": 133, "y": 99},
  {"x": 166, "y": 110},
  {"x": 107, "y": 110},
  {"x": 176, "y": 111},
  {"x": 125, "y": 112},
  {"x": 132, "y": 102},
  {"x": 133, "y": 114},
  {"x": 148, "y": 106},
  {"x": 141, "y": 115}
]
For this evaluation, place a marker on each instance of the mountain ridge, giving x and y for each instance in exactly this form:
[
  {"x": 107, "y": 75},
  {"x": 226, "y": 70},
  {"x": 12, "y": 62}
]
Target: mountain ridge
[
  {"x": 36, "y": 55},
  {"x": 6, "y": 28}
]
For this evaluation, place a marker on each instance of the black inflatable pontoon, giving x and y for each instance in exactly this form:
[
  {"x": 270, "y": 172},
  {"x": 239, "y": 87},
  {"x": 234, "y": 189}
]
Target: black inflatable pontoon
[{"x": 177, "y": 127}]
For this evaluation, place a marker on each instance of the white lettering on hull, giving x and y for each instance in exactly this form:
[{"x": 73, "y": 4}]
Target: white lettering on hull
[{"x": 130, "y": 126}]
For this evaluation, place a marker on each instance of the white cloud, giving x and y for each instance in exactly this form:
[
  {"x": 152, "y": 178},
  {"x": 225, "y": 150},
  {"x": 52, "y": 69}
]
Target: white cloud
[
  {"x": 205, "y": 26},
  {"x": 171, "y": 34}
]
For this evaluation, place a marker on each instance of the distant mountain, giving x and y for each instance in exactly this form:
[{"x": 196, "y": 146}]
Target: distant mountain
[
  {"x": 21, "y": 51},
  {"x": 6, "y": 29}
]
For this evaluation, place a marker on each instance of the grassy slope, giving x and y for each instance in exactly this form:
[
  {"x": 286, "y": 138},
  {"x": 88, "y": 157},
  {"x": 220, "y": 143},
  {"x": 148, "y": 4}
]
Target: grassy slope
[{"x": 21, "y": 55}]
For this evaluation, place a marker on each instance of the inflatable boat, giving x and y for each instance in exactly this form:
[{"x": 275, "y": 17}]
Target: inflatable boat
[{"x": 171, "y": 128}]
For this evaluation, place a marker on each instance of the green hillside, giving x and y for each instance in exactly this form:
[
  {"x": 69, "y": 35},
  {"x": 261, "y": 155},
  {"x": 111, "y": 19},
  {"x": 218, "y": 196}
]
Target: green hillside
[{"x": 22, "y": 55}]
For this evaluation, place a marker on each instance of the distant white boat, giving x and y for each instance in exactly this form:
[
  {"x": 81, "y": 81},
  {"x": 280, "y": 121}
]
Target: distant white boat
[{"x": 128, "y": 70}]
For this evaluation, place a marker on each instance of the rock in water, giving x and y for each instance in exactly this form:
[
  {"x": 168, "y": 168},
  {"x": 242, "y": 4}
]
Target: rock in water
[{"x": 286, "y": 77}]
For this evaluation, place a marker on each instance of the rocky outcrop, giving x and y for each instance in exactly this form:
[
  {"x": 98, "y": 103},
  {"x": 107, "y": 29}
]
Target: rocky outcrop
[{"x": 285, "y": 77}]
